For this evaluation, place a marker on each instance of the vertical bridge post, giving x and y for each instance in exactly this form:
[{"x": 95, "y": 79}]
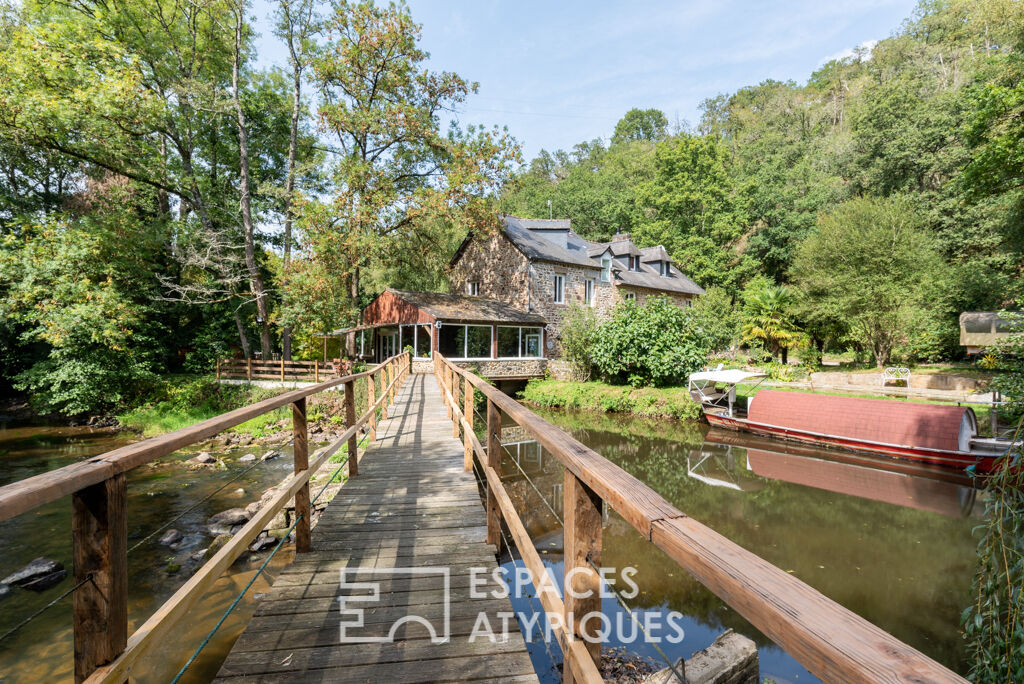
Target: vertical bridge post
[
  {"x": 385, "y": 375},
  {"x": 300, "y": 451},
  {"x": 581, "y": 532},
  {"x": 371, "y": 387},
  {"x": 99, "y": 529},
  {"x": 493, "y": 461},
  {"x": 350, "y": 420},
  {"x": 467, "y": 410},
  {"x": 456, "y": 386}
]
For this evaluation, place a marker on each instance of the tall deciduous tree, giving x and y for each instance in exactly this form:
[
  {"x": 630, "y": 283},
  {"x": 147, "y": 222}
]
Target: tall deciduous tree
[
  {"x": 396, "y": 167},
  {"x": 871, "y": 264}
]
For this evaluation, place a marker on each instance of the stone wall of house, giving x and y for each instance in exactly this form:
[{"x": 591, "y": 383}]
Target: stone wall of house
[
  {"x": 422, "y": 366},
  {"x": 507, "y": 368},
  {"x": 642, "y": 295},
  {"x": 499, "y": 267},
  {"x": 542, "y": 275}
]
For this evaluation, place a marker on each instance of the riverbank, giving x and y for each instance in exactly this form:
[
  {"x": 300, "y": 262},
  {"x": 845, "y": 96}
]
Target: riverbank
[
  {"x": 650, "y": 402},
  {"x": 672, "y": 402}
]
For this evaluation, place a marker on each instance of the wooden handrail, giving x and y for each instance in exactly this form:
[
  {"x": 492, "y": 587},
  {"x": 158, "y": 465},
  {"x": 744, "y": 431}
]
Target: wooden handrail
[
  {"x": 103, "y": 652},
  {"x": 832, "y": 642},
  {"x": 23, "y": 496}
]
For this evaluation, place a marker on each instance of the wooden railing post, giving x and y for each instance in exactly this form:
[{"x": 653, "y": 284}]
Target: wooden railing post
[
  {"x": 467, "y": 410},
  {"x": 282, "y": 370},
  {"x": 316, "y": 371},
  {"x": 493, "y": 461},
  {"x": 384, "y": 392},
  {"x": 300, "y": 450},
  {"x": 581, "y": 541},
  {"x": 99, "y": 529},
  {"x": 218, "y": 369},
  {"x": 450, "y": 398},
  {"x": 248, "y": 369},
  {"x": 371, "y": 388},
  {"x": 456, "y": 385},
  {"x": 350, "y": 420}
]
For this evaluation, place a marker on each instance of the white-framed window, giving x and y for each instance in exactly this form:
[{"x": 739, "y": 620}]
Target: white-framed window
[
  {"x": 606, "y": 269},
  {"x": 519, "y": 342},
  {"x": 559, "y": 294},
  {"x": 665, "y": 269},
  {"x": 473, "y": 288},
  {"x": 634, "y": 263},
  {"x": 629, "y": 296},
  {"x": 588, "y": 292}
]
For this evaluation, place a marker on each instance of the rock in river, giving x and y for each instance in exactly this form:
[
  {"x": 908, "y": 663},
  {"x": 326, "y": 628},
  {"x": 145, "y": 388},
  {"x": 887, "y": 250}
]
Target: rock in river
[
  {"x": 5, "y": 591},
  {"x": 171, "y": 537},
  {"x": 40, "y": 574},
  {"x": 204, "y": 458},
  {"x": 232, "y": 516},
  {"x": 246, "y": 458},
  {"x": 270, "y": 455}
]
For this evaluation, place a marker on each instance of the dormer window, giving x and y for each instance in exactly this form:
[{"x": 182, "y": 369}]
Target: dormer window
[
  {"x": 665, "y": 269},
  {"x": 473, "y": 288},
  {"x": 606, "y": 269},
  {"x": 634, "y": 263}
]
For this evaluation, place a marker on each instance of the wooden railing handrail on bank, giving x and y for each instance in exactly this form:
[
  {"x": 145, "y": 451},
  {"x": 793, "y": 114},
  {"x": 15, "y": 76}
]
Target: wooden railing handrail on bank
[
  {"x": 832, "y": 642},
  {"x": 103, "y": 651}
]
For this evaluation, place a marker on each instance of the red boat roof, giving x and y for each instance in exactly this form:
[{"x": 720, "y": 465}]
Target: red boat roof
[{"x": 875, "y": 420}]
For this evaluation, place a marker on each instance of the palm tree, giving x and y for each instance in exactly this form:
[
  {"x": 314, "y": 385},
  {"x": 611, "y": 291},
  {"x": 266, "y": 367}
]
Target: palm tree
[{"x": 768, "y": 321}]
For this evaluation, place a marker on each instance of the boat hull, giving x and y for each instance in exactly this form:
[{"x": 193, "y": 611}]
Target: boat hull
[{"x": 983, "y": 463}]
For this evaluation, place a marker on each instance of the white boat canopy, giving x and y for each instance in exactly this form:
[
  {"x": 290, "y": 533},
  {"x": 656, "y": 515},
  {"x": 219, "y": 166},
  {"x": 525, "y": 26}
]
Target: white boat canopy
[
  {"x": 703, "y": 386},
  {"x": 728, "y": 376}
]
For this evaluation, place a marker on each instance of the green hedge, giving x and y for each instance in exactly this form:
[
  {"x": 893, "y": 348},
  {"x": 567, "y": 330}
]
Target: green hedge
[{"x": 644, "y": 401}]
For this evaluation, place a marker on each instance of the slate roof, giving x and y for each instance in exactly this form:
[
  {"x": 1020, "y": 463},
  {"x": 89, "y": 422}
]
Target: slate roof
[
  {"x": 649, "y": 278},
  {"x": 465, "y": 309},
  {"x": 534, "y": 246},
  {"x": 528, "y": 236}
]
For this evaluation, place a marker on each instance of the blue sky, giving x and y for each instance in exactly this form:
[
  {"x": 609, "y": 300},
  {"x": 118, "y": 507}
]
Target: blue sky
[{"x": 557, "y": 73}]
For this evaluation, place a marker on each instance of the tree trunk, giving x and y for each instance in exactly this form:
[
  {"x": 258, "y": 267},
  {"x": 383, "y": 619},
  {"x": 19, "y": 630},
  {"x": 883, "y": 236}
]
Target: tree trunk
[
  {"x": 785, "y": 355},
  {"x": 350, "y": 341},
  {"x": 255, "y": 281},
  {"x": 242, "y": 336},
  {"x": 293, "y": 143}
]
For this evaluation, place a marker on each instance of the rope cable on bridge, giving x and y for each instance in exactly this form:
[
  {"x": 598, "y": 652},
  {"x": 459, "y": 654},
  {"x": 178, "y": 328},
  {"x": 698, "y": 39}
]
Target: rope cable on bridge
[
  {"x": 615, "y": 591},
  {"x": 528, "y": 479},
  {"x": 49, "y": 605},
  {"x": 200, "y": 502},
  {"x": 637, "y": 622},
  {"x": 510, "y": 547},
  {"x": 234, "y": 603}
]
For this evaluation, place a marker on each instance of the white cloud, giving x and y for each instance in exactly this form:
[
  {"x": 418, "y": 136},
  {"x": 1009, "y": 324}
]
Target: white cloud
[{"x": 867, "y": 46}]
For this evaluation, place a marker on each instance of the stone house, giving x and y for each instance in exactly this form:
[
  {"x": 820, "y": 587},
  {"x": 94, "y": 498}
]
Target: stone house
[
  {"x": 542, "y": 266},
  {"x": 510, "y": 292}
]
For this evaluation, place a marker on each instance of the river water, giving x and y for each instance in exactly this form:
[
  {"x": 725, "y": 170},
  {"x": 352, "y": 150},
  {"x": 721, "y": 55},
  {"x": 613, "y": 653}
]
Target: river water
[
  {"x": 41, "y": 650},
  {"x": 895, "y": 548}
]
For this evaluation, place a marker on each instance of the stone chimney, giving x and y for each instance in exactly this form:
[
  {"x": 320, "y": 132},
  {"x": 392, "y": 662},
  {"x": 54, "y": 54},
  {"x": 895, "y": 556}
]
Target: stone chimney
[{"x": 622, "y": 237}]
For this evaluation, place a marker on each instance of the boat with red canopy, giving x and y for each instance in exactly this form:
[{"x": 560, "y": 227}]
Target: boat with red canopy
[{"x": 944, "y": 435}]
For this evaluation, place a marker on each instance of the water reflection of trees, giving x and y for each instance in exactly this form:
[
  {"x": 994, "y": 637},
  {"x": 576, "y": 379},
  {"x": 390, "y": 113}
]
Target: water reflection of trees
[{"x": 904, "y": 569}]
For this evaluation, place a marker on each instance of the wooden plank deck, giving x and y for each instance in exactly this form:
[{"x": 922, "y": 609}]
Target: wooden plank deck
[{"x": 411, "y": 507}]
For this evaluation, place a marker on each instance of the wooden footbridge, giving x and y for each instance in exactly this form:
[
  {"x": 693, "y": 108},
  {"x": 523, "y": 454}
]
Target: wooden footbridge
[{"x": 405, "y": 532}]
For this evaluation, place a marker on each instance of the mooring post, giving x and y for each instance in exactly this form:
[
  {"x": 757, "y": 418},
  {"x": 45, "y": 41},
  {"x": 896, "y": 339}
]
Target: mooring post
[
  {"x": 467, "y": 403},
  {"x": 350, "y": 420},
  {"x": 581, "y": 532},
  {"x": 371, "y": 387},
  {"x": 99, "y": 530},
  {"x": 493, "y": 461},
  {"x": 300, "y": 451}
]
